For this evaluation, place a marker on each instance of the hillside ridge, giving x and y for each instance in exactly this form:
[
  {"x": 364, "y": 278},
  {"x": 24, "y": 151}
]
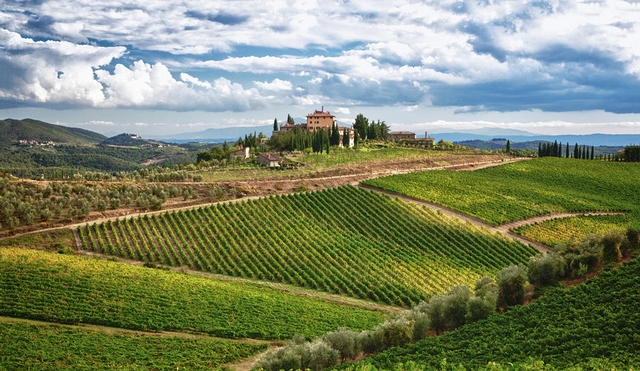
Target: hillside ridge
[{"x": 35, "y": 132}]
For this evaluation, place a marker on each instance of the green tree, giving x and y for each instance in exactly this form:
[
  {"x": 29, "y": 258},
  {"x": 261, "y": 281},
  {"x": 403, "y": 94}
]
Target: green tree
[
  {"x": 345, "y": 139},
  {"x": 275, "y": 125},
  {"x": 546, "y": 269},
  {"x": 508, "y": 147},
  {"x": 611, "y": 244},
  {"x": 511, "y": 283},
  {"x": 344, "y": 341},
  {"x": 361, "y": 126}
]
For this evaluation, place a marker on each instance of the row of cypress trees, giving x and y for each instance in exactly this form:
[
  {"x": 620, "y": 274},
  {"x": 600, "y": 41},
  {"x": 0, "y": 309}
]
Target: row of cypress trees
[{"x": 555, "y": 150}]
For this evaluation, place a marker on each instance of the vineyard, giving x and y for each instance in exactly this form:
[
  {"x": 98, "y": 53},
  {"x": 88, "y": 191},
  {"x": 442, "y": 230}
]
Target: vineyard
[
  {"x": 555, "y": 231},
  {"x": 525, "y": 189},
  {"x": 38, "y": 347},
  {"x": 344, "y": 240},
  {"x": 68, "y": 289},
  {"x": 594, "y": 326}
]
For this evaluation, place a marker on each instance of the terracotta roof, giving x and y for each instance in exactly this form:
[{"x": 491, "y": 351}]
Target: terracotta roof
[
  {"x": 321, "y": 113},
  {"x": 271, "y": 156}
]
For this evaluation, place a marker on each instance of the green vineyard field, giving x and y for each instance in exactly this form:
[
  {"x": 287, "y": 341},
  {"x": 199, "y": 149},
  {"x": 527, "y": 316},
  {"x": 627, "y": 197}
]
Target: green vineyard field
[
  {"x": 344, "y": 240},
  {"x": 53, "y": 347},
  {"x": 525, "y": 189},
  {"x": 68, "y": 289},
  {"x": 594, "y": 325},
  {"x": 561, "y": 230}
]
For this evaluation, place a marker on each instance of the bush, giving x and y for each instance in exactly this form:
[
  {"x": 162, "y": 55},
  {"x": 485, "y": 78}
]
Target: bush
[
  {"x": 611, "y": 244},
  {"x": 511, "y": 283},
  {"x": 395, "y": 333},
  {"x": 322, "y": 356},
  {"x": 546, "y": 269},
  {"x": 344, "y": 341}
]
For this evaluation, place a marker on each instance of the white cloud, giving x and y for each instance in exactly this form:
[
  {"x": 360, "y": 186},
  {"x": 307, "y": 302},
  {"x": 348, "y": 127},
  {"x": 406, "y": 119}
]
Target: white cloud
[
  {"x": 410, "y": 108},
  {"x": 342, "y": 110},
  {"x": 52, "y": 71},
  {"x": 59, "y": 72},
  {"x": 275, "y": 85},
  {"x": 318, "y": 51}
]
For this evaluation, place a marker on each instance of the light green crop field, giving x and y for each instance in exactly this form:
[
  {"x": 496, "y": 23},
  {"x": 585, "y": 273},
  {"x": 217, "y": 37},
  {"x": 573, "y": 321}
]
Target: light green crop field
[
  {"x": 552, "y": 232},
  {"x": 68, "y": 289},
  {"x": 525, "y": 189},
  {"x": 53, "y": 347}
]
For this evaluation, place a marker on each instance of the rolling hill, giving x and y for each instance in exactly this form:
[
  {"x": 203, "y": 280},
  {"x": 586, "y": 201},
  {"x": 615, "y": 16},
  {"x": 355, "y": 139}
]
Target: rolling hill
[{"x": 13, "y": 131}]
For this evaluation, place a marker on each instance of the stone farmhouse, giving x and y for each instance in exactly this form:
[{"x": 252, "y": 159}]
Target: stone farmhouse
[
  {"x": 268, "y": 159},
  {"x": 241, "y": 153},
  {"x": 409, "y": 138},
  {"x": 396, "y": 136}
]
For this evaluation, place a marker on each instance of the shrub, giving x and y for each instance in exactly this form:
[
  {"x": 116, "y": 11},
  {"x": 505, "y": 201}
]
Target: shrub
[
  {"x": 511, "y": 283},
  {"x": 344, "y": 341},
  {"x": 546, "y": 269},
  {"x": 611, "y": 244}
]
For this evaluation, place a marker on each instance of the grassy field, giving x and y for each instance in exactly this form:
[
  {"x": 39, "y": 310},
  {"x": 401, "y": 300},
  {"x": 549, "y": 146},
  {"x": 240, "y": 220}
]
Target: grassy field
[
  {"x": 52, "y": 347},
  {"x": 595, "y": 325},
  {"x": 343, "y": 240},
  {"x": 342, "y": 162},
  {"x": 525, "y": 189},
  {"x": 68, "y": 289}
]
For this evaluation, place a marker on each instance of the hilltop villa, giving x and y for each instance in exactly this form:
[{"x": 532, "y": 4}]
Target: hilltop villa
[{"x": 319, "y": 120}]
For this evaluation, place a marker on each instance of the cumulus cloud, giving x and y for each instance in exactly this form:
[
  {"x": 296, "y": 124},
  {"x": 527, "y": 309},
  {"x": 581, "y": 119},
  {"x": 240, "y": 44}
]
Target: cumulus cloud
[
  {"x": 275, "y": 85},
  {"x": 342, "y": 110},
  {"x": 505, "y": 56},
  {"x": 59, "y": 72}
]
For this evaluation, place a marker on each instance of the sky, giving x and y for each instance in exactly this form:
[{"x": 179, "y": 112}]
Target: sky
[{"x": 161, "y": 67}]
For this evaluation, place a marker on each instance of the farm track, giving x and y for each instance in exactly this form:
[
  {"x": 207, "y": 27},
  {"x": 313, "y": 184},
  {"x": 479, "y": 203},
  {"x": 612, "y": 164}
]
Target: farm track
[
  {"x": 240, "y": 365},
  {"x": 505, "y": 229},
  {"x": 118, "y": 330}
]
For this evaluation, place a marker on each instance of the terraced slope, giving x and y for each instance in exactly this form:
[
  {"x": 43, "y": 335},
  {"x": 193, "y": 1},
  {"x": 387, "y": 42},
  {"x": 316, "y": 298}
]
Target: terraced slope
[{"x": 343, "y": 240}]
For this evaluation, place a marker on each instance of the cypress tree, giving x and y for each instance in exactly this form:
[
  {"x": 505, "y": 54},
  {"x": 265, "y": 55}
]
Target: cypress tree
[
  {"x": 567, "y": 150},
  {"x": 559, "y": 154},
  {"x": 592, "y": 152},
  {"x": 275, "y": 124},
  {"x": 539, "y": 149},
  {"x": 576, "y": 151},
  {"x": 345, "y": 138},
  {"x": 508, "y": 148}
]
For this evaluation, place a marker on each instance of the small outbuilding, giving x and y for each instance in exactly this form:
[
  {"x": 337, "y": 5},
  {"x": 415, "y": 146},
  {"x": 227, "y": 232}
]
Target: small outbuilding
[
  {"x": 396, "y": 136},
  {"x": 269, "y": 159}
]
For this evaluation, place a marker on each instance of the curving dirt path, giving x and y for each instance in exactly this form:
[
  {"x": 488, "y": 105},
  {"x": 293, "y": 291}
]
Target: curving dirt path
[{"x": 504, "y": 229}]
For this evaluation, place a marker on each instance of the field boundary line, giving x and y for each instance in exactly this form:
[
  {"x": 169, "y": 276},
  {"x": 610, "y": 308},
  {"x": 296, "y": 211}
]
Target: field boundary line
[
  {"x": 118, "y": 330},
  {"x": 293, "y": 290}
]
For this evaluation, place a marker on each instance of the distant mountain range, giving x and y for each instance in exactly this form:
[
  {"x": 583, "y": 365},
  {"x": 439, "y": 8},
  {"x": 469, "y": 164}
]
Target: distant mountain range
[
  {"x": 523, "y": 136},
  {"x": 216, "y": 135}
]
